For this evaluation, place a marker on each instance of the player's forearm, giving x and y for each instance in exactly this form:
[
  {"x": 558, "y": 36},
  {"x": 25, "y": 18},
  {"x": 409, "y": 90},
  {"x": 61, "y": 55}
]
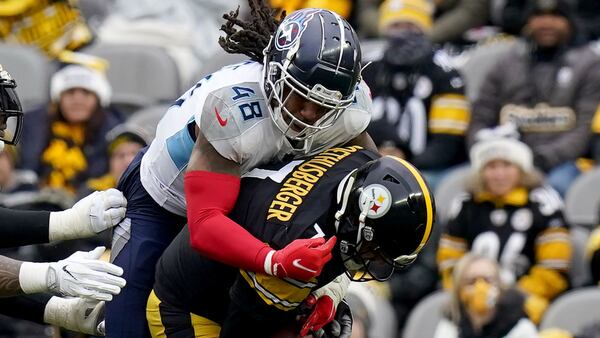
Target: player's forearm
[
  {"x": 20, "y": 227},
  {"x": 9, "y": 277},
  {"x": 211, "y": 231},
  {"x": 27, "y": 307}
]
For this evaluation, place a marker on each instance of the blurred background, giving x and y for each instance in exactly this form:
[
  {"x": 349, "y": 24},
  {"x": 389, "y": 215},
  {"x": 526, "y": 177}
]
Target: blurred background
[{"x": 497, "y": 102}]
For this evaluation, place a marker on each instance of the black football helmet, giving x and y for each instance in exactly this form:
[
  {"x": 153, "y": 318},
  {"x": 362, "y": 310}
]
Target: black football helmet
[
  {"x": 385, "y": 218},
  {"x": 11, "y": 113},
  {"x": 314, "y": 53}
]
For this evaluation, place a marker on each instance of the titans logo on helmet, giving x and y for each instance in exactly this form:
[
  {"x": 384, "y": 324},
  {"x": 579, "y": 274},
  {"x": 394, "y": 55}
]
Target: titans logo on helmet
[{"x": 292, "y": 28}]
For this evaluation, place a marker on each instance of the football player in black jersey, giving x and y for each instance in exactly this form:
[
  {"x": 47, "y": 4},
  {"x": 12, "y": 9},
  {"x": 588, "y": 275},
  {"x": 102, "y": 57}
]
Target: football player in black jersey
[{"x": 380, "y": 210}]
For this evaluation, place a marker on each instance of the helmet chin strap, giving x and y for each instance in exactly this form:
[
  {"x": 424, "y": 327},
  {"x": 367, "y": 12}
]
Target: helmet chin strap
[{"x": 343, "y": 194}]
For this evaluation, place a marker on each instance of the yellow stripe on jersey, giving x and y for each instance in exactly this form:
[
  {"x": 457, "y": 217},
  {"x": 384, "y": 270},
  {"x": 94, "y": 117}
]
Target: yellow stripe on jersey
[
  {"x": 450, "y": 250},
  {"x": 543, "y": 282},
  {"x": 428, "y": 201},
  {"x": 596, "y": 121},
  {"x": 553, "y": 249},
  {"x": 284, "y": 294},
  {"x": 449, "y": 114},
  {"x": 17, "y": 7}
]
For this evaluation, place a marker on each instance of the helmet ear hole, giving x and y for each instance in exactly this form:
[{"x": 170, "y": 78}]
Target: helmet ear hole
[{"x": 391, "y": 178}]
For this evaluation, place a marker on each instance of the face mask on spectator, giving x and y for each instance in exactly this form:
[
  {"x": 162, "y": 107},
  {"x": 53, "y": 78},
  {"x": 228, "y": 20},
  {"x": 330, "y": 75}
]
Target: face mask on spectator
[{"x": 479, "y": 297}]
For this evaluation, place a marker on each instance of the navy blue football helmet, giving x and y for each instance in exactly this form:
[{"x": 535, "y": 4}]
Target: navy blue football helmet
[
  {"x": 314, "y": 53},
  {"x": 11, "y": 113},
  {"x": 386, "y": 217}
]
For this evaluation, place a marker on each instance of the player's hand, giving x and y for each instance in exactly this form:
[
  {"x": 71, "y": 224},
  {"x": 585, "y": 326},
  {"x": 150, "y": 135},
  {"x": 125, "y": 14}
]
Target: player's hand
[
  {"x": 79, "y": 275},
  {"x": 91, "y": 215},
  {"x": 75, "y": 314},
  {"x": 302, "y": 259},
  {"x": 323, "y": 312}
]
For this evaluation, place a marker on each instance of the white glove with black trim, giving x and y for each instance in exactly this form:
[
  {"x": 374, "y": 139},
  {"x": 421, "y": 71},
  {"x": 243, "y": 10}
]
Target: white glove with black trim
[
  {"x": 91, "y": 215},
  {"x": 79, "y": 275},
  {"x": 75, "y": 314}
]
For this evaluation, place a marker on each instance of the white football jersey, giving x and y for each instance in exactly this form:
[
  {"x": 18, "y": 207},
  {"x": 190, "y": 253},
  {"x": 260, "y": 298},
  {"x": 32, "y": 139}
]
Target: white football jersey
[{"x": 230, "y": 108}]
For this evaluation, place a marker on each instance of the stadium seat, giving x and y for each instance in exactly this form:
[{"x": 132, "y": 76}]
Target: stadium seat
[
  {"x": 579, "y": 273},
  {"x": 423, "y": 319},
  {"x": 448, "y": 189},
  {"x": 218, "y": 61},
  {"x": 573, "y": 310},
  {"x": 140, "y": 76},
  {"x": 31, "y": 69},
  {"x": 582, "y": 201},
  {"x": 147, "y": 118}
]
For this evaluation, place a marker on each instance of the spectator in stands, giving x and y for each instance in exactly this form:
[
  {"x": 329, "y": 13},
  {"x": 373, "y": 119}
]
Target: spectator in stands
[
  {"x": 509, "y": 216},
  {"x": 52, "y": 26},
  {"x": 13, "y": 180},
  {"x": 549, "y": 87},
  {"x": 124, "y": 142},
  {"x": 512, "y": 17},
  {"x": 481, "y": 306},
  {"x": 65, "y": 141},
  {"x": 420, "y": 111},
  {"x": 589, "y": 14},
  {"x": 454, "y": 17}
]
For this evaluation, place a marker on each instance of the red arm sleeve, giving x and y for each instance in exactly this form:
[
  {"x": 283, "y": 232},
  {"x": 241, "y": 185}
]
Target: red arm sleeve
[{"x": 210, "y": 197}]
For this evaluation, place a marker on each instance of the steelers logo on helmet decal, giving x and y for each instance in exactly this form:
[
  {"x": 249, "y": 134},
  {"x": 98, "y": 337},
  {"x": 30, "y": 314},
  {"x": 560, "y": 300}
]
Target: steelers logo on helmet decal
[{"x": 376, "y": 199}]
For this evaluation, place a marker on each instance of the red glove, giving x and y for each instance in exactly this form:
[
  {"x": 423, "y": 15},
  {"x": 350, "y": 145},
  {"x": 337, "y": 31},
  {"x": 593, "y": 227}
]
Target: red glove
[
  {"x": 302, "y": 259},
  {"x": 323, "y": 312}
]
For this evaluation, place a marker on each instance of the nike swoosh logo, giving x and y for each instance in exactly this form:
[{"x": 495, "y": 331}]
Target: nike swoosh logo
[
  {"x": 64, "y": 268},
  {"x": 222, "y": 122},
  {"x": 296, "y": 263}
]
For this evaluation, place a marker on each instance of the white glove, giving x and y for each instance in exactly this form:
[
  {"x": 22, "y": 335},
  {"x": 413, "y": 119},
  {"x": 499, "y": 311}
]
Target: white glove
[
  {"x": 79, "y": 275},
  {"x": 92, "y": 214},
  {"x": 75, "y": 314},
  {"x": 336, "y": 289}
]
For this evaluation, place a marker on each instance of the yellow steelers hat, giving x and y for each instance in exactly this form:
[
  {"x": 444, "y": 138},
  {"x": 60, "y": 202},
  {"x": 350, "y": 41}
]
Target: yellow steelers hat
[{"x": 418, "y": 12}]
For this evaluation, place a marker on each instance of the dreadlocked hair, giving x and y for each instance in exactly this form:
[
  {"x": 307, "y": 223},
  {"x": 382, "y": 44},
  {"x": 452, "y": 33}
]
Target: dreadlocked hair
[{"x": 254, "y": 35}]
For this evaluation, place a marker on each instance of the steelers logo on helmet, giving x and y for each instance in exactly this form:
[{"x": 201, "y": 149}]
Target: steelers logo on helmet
[
  {"x": 376, "y": 200},
  {"x": 386, "y": 216}
]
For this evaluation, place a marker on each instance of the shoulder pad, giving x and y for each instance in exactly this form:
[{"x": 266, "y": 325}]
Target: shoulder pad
[{"x": 228, "y": 113}]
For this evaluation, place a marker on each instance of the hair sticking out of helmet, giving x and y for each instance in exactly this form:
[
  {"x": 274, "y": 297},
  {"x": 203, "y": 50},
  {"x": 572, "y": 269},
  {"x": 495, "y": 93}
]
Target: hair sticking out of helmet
[
  {"x": 254, "y": 35},
  {"x": 11, "y": 113},
  {"x": 385, "y": 218}
]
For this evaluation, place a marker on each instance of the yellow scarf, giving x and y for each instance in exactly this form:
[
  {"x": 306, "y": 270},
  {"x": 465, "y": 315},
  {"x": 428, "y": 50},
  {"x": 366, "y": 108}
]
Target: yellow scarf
[
  {"x": 516, "y": 197},
  {"x": 64, "y": 155}
]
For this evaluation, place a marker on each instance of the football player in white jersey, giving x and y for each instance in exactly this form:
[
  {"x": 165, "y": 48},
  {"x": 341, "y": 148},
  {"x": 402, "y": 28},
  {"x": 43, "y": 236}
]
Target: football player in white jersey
[{"x": 301, "y": 92}]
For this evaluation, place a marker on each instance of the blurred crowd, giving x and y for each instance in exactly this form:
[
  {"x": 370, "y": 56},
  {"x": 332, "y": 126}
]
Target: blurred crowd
[{"x": 506, "y": 91}]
